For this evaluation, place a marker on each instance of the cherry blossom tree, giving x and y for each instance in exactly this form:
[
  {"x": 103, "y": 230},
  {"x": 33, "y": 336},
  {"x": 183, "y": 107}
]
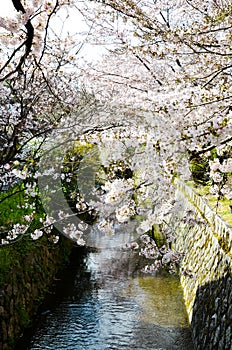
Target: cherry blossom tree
[
  {"x": 38, "y": 88},
  {"x": 172, "y": 59},
  {"x": 41, "y": 98},
  {"x": 169, "y": 68},
  {"x": 159, "y": 97},
  {"x": 34, "y": 94}
]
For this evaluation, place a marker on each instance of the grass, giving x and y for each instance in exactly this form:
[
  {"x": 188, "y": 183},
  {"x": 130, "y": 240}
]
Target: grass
[
  {"x": 12, "y": 211},
  {"x": 221, "y": 206},
  {"x": 11, "y": 207}
]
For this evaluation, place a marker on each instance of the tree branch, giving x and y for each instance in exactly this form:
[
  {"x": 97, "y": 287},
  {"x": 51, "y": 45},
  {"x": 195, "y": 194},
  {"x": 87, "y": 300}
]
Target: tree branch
[
  {"x": 46, "y": 29},
  {"x": 30, "y": 34},
  {"x": 8, "y": 61},
  {"x": 209, "y": 148},
  {"x": 11, "y": 195}
]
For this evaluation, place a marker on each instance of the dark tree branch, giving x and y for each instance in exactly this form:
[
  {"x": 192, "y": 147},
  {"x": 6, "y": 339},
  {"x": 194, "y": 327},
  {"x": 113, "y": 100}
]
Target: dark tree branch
[
  {"x": 209, "y": 148},
  {"x": 210, "y": 102},
  {"x": 165, "y": 20},
  {"x": 11, "y": 195},
  {"x": 8, "y": 61},
  {"x": 30, "y": 34},
  {"x": 215, "y": 74},
  {"x": 18, "y": 6},
  {"x": 147, "y": 67},
  {"x": 28, "y": 43},
  {"x": 215, "y": 30}
]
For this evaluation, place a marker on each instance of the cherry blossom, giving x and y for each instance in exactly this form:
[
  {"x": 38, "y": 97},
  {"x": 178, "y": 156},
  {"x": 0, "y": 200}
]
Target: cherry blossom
[{"x": 159, "y": 96}]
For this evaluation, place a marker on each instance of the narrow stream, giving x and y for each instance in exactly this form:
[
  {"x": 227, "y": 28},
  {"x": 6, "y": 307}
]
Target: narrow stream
[{"x": 105, "y": 302}]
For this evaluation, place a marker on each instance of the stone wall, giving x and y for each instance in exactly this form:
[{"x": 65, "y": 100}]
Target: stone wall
[
  {"x": 26, "y": 286},
  {"x": 206, "y": 274}
]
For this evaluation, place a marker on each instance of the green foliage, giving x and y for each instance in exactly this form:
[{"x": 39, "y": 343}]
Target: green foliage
[
  {"x": 118, "y": 170},
  {"x": 7, "y": 260},
  {"x": 72, "y": 171},
  {"x": 77, "y": 152},
  {"x": 12, "y": 211},
  {"x": 71, "y": 166},
  {"x": 199, "y": 168},
  {"x": 158, "y": 235},
  {"x": 12, "y": 207}
]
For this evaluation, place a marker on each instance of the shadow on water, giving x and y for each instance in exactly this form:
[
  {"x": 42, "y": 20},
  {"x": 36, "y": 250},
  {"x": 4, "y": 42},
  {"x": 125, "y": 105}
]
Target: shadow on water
[{"x": 103, "y": 301}]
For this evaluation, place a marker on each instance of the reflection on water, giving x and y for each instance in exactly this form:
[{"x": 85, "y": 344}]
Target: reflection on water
[
  {"x": 103, "y": 302},
  {"x": 160, "y": 298}
]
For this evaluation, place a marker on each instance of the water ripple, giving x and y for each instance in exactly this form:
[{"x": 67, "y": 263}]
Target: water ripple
[{"x": 108, "y": 311}]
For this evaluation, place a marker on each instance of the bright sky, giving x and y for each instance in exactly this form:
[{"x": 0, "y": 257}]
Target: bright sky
[
  {"x": 72, "y": 26},
  {"x": 7, "y": 8}
]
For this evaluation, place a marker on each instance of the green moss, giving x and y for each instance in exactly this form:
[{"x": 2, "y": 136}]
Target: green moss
[
  {"x": 23, "y": 316},
  {"x": 158, "y": 236},
  {"x": 12, "y": 257}
]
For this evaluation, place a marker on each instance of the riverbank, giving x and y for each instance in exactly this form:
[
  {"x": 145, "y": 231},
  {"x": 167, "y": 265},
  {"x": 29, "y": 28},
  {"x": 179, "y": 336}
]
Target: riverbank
[{"x": 25, "y": 282}]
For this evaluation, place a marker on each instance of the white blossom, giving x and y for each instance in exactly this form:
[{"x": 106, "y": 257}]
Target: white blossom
[
  {"x": 36, "y": 234},
  {"x": 214, "y": 190},
  {"x": 214, "y": 164},
  {"x": 82, "y": 226},
  {"x": 227, "y": 191},
  {"x": 80, "y": 242},
  {"x": 54, "y": 239},
  {"x": 217, "y": 177},
  {"x": 21, "y": 174},
  {"x": 124, "y": 213},
  {"x": 62, "y": 214},
  {"x": 226, "y": 166},
  {"x": 106, "y": 226}
]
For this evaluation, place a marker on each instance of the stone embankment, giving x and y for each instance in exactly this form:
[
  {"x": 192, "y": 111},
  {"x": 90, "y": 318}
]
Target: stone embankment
[
  {"x": 26, "y": 286},
  {"x": 206, "y": 242}
]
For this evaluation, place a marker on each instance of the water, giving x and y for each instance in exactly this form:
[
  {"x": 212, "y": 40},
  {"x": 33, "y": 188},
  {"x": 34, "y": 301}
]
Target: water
[{"x": 105, "y": 302}]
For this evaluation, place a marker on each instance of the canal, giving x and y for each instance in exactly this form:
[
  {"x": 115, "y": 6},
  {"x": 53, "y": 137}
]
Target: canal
[{"x": 103, "y": 301}]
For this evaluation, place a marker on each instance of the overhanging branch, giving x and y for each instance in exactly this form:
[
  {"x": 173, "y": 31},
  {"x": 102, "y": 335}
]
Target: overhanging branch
[
  {"x": 29, "y": 39},
  {"x": 210, "y": 148}
]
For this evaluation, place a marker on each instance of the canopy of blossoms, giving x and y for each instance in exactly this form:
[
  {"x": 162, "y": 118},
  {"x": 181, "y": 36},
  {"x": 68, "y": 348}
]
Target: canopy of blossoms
[{"x": 159, "y": 96}]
